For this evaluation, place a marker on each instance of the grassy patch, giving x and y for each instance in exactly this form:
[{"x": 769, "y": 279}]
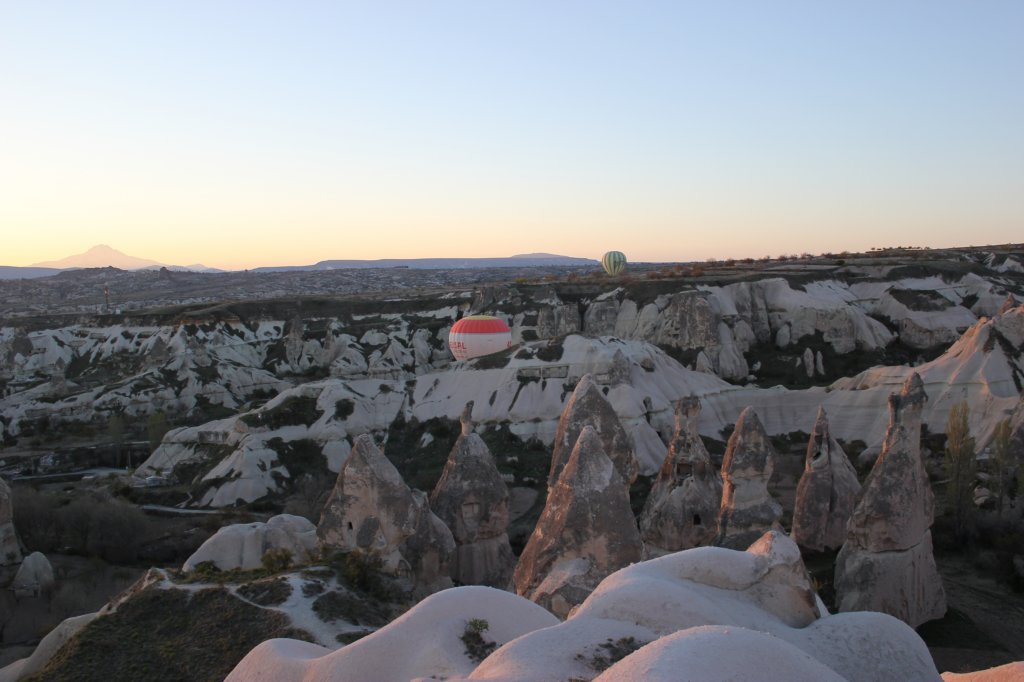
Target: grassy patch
[
  {"x": 291, "y": 411},
  {"x": 300, "y": 457},
  {"x": 349, "y": 637},
  {"x": 267, "y": 592},
  {"x": 168, "y": 635},
  {"x": 344, "y": 605},
  {"x": 420, "y": 465},
  {"x": 610, "y": 652}
]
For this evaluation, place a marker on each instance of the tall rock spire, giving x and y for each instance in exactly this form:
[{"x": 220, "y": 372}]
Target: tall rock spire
[
  {"x": 682, "y": 509},
  {"x": 472, "y": 499},
  {"x": 826, "y": 493},
  {"x": 587, "y": 406},
  {"x": 748, "y": 510},
  {"x": 887, "y": 562},
  {"x": 372, "y": 512},
  {"x": 585, "y": 533}
]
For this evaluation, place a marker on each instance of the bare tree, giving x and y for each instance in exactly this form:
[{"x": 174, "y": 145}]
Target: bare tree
[
  {"x": 960, "y": 466},
  {"x": 1001, "y": 462}
]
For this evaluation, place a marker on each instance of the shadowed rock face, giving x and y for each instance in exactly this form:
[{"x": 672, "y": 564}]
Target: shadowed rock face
[
  {"x": 887, "y": 562},
  {"x": 372, "y": 512},
  {"x": 826, "y": 493},
  {"x": 747, "y": 510},
  {"x": 585, "y": 533},
  {"x": 9, "y": 551},
  {"x": 472, "y": 499},
  {"x": 682, "y": 509},
  {"x": 588, "y": 407},
  {"x": 34, "y": 577}
]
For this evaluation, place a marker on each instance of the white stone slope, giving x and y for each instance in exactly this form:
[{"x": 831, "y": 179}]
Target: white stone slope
[
  {"x": 424, "y": 642},
  {"x": 641, "y": 383},
  {"x": 171, "y": 368},
  {"x": 242, "y": 545},
  {"x": 181, "y": 367},
  {"x": 707, "y": 613},
  {"x": 45, "y": 650}
]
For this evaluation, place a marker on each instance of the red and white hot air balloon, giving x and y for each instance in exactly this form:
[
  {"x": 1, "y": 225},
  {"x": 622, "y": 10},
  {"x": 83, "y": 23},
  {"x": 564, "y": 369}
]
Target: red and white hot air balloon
[{"x": 478, "y": 335}]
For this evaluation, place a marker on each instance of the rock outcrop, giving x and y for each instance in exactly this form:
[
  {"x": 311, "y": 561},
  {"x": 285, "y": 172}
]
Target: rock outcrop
[
  {"x": 585, "y": 532},
  {"x": 373, "y": 513},
  {"x": 9, "y": 550},
  {"x": 473, "y": 500},
  {"x": 887, "y": 563},
  {"x": 242, "y": 545},
  {"x": 25, "y": 668},
  {"x": 708, "y": 614},
  {"x": 588, "y": 407},
  {"x": 826, "y": 493},
  {"x": 682, "y": 509},
  {"x": 748, "y": 509},
  {"x": 34, "y": 576}
]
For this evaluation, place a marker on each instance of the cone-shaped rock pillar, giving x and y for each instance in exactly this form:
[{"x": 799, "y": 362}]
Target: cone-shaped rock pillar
[
  {"x": 887, "y": 562},
  {"x": 472, "y": 499},
  {"x": 682, "y": 509},
  {"x": 585, "y": 533},
  {"x": 588, "y": 407},
  {"x": 372, "y": 512},
  {"x": 826, "y": 493},
  {"x": 748, "y": 510}
]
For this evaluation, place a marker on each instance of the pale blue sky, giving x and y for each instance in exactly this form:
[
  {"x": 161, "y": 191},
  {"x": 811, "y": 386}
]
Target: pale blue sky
[{"x": 250, "y": 133}]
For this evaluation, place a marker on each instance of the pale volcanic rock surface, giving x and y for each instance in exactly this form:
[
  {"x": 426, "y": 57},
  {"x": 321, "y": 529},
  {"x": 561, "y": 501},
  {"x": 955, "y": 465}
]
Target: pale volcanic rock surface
[
  {"x": 242, "y": 545},
  {"x": 747, "y": 509},
  {"x": 887, "y": 562},
  {"x": 587, "y": 407},
  {"x": 681, "y": 510},
  {"x": 826, "y": 493},
  {"x": 473, "y": 501},
  {"x": 372, "y": 512},
  {"x": 585, "y": 532}
]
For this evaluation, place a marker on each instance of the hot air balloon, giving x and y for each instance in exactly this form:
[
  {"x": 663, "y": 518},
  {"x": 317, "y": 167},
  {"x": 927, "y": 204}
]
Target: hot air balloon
[
  {"x": 614, "y": 262},
  {"x": 477, "y": 335}
]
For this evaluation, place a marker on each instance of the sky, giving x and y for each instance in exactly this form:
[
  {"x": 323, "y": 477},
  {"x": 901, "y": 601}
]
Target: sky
[{"x": 240, "y": 134}]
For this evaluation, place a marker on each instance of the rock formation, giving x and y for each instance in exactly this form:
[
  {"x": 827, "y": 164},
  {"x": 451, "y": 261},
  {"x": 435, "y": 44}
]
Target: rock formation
[
  {"x": 826, "y": 493},
  {"x": 682, "y": 509},
  {"x": 372, "y": 512},
  {"x": 242, "y": 545},
  {"x": 588, "y": 407},
  {"x": 34, "y": 577},
  {"x": 472, "y": 499},
  {"x": 748, "y": 509},
  {"x": 887, "y": 563},
  {"x": 585, "y": 532},
  {"x": 9, "y": 551},
  {"x": 708, "y": 614}
]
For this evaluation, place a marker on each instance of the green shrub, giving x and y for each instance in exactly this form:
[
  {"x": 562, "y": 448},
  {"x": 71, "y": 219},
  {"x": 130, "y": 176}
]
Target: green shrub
[
  {"x": 477, "y": 648},
  {"x": 276, "y": 560}
]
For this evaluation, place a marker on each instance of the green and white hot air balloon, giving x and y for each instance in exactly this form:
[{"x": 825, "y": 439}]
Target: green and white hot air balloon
[{"x": 613, "y": 262}]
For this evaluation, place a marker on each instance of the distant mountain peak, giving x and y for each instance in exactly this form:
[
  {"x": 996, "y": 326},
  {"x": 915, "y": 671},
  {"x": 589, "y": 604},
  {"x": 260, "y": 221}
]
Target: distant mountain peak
[
  {"x": 539, "y": 255},
  {"x": 100, "y": 256}
]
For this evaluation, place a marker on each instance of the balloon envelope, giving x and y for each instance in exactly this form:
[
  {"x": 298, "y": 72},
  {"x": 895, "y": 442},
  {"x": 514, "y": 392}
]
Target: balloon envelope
[
  {"x": 478, "y": 335},
  {"x": 614, "y": 262}
]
